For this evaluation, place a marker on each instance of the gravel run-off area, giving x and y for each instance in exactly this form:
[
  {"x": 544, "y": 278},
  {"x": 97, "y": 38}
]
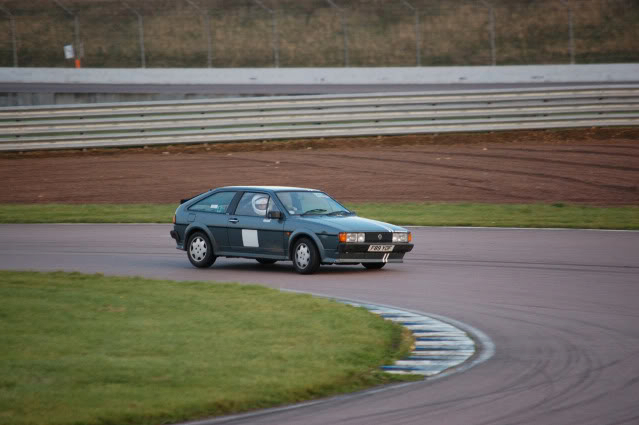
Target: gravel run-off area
[{"x": 585, "y": 166}]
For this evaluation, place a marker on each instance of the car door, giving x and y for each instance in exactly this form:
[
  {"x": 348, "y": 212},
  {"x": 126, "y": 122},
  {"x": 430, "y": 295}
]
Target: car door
[
  {"x": 212, "y": 212},
  {"x": 251, "y": 232}
]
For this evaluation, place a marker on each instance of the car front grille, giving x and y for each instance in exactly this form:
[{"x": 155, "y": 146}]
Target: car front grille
[{"x": 374, "y": 237}]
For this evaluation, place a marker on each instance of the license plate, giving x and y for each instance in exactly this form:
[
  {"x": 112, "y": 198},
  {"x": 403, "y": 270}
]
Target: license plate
[{"x": 380, "y": 248}]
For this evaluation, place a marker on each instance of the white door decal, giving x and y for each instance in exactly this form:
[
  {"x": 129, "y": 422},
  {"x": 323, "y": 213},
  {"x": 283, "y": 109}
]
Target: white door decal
[{"x": 249, "y": 238}]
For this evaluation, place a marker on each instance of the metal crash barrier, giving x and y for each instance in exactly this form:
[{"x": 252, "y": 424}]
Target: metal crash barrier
[{"x": 295, "y": 117}]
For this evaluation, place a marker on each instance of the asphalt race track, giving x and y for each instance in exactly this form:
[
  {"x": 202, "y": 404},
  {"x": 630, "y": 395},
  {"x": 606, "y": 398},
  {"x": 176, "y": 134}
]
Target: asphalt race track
[{"x": 561, "y": 306}]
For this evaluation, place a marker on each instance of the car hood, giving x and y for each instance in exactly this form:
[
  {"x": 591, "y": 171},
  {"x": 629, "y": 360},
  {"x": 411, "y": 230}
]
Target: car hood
[{"x": 351, "y": 224}]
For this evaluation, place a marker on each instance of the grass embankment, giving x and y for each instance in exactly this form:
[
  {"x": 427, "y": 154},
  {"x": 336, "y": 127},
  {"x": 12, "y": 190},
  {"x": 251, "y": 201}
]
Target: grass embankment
[
  {"x": 309, "y": 33},
  {"x": 417, "y": 214},
  {"x": 113, "y": 350}
]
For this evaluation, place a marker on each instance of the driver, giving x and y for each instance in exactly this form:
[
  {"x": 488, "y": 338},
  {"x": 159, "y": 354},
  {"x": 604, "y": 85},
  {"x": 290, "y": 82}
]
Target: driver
[{"x": 260, "y": 203}]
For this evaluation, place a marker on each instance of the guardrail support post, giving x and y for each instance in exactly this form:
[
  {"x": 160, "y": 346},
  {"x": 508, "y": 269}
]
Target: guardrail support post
[
  {"x": 418, "y": 58},
  {"x": 140, "y": 33},
  {"x": 12, "y": 29},
  {"x": 344, "y": 32},
  {"x": 571, "y": 34},
  {"x": 274, "y": 38},
  {"x": 78, "y": 48},
  {"x": 207, "y": 30},
  {"x": 493, "y": 48}
]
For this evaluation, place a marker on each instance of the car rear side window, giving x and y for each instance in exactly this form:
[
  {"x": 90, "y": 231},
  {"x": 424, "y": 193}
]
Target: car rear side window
[{"x": 217, "y": 203}]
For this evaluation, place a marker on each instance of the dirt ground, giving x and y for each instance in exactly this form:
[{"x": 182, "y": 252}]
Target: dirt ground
[{"x": 589, "y": 166}]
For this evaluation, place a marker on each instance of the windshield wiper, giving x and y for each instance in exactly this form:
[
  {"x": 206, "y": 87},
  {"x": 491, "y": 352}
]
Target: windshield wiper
[
  {"x": 315, "y": 211},
  {"x": 340, "y": 212}
]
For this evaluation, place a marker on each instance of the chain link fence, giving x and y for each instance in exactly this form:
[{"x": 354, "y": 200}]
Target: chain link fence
[{"x": 316, "y": 33}]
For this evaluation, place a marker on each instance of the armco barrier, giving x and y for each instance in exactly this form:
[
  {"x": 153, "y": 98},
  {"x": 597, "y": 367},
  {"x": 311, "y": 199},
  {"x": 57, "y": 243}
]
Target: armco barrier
[{"x": 270, "y": 118}]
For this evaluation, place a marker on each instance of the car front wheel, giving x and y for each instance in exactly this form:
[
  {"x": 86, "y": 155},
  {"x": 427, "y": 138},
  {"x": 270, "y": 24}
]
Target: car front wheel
[
  {"x": 305, "y": 257},
  {"x": 200, "y": 250},
  {"x": 373, "y": 266}
]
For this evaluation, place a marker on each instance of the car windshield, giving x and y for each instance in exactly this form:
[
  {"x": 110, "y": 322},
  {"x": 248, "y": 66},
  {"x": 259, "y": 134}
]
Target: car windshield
[{"x": 308, "y": 203}]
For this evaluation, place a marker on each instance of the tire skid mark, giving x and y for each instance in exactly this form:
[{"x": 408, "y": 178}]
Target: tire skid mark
[
  {"x": 577, "y": 357},
  {"x": 298, "y": 163},
  {"x": 402, "y": 174},
  {"x": 632, "y": 189},
  {"x": 583, "y": 385},
  {"x": 294, "y": 164},
  {"x": 513, "y": 195},
  {"x": 527, "y": 372},
  {"x": 525, "y": 266},
  {"x": 631, "y": 147},
  {"x": 543, "y": 160},
  {"x": 609, "y": 267}
]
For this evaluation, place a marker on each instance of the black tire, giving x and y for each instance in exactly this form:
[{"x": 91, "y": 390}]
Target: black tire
[
  {"x": 306, "y": 259},
  {"x": 266, "y": 261},
  {"x": 200, "y": 250},
  {"x": 373, "y": 266}
]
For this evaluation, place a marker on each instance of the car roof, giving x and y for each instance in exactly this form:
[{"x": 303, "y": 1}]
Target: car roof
[{"x": 270, "y": 188}]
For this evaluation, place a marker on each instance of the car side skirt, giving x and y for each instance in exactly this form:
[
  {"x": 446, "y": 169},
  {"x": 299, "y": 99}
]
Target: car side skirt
[{"x": 228, "y": 254}]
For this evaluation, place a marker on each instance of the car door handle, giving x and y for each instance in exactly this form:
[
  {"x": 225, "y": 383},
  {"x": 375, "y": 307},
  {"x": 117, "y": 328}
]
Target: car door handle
[{"x": 233, "y": 220}]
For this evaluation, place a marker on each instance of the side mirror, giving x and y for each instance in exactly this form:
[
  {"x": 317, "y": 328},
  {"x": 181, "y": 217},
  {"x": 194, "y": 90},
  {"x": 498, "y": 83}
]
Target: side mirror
[{"x": 277, "y": 215}]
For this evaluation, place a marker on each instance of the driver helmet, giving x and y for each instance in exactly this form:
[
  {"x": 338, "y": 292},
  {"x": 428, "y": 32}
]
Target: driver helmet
[{"x": 260, "y": 203}]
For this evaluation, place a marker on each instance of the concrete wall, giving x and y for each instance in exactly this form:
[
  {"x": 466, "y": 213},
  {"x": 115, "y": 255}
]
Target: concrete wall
[
  {"x": 425, "y": 75},
  {"x": 52, "y": 86}
]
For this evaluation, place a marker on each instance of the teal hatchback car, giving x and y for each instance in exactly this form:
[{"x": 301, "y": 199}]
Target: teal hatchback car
[{"x": 272, "y": 224}]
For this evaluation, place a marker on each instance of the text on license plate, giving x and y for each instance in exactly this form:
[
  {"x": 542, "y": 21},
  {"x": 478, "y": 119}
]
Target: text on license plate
[{"x": 380, "y": 248}]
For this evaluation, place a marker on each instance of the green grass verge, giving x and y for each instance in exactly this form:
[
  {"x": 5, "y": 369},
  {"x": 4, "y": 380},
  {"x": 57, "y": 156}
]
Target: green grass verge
[
  {"x": 92, "y": 349},
  {"x": 418, "y": 214},
  {"x": 86, "y": 213},
  {"x": 502, "y": 215}
]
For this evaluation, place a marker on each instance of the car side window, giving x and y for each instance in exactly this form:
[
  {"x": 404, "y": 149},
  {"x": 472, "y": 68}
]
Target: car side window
[
  {"x": 253, "y": 204},
  {"x": 217, "y": 203}
]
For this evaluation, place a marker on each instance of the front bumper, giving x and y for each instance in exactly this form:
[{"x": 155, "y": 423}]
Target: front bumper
[{"x": 359, "y": 253}]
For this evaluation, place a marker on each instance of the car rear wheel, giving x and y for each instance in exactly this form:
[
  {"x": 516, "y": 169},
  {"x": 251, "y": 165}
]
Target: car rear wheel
[
  {"x": 305, "y": 256},
  {"x": 266, "y": 261},
  {"x": 200, "y": 250},
  {"x": 373, "y": 266}
]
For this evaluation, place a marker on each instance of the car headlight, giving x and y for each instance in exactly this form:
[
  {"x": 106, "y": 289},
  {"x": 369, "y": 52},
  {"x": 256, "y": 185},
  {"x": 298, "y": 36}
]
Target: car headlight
[
  {"x": 399, "y": 237},
  {"x": 352, "y": 237}
]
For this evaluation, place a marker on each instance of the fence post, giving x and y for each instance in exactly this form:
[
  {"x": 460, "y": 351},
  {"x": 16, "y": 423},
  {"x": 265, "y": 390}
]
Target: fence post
[
  {"x": 493, "y": 52},
  {"x": 78, "y": 49},
  {"x": 12, "y": 28},
  {"x": 344, "y": 33},
  {"x": 418, "y": 58},
  {"x": 274, "y": 37},
  {"x": 571, "y": 34},
  {"x": 207, "y": 31},
  {"x": 140, "y": 32}
]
